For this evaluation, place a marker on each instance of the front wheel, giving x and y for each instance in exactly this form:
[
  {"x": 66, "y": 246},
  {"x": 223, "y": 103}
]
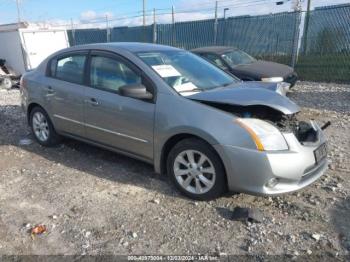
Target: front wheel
[
  {"x": 42, "y": 128},
  {"x": 196, "y": 170}
]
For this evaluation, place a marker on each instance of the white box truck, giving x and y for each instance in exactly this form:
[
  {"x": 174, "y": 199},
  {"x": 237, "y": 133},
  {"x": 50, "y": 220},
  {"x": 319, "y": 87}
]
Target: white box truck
[{"x": 25, "y": 46}]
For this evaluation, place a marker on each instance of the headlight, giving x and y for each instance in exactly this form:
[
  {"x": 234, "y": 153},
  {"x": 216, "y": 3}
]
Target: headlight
[
  {"x": 266, "y": 136},
  {"x": 283, "y": 88},
  {"x": 272, "y": 79}
]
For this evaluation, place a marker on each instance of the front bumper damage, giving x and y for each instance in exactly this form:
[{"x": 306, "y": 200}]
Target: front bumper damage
[{"x": 276, "y": 172}]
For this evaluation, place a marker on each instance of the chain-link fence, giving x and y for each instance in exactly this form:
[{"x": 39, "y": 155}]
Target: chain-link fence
[
  {"x": 325, "y": 47},
  {"x": 321, "y": 54}
]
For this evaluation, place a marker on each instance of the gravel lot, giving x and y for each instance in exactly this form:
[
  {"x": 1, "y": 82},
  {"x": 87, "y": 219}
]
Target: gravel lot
[{"x": 96, "y": 202}]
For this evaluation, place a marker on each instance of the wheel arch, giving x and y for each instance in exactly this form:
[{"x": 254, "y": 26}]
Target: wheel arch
[
  {"x": 173, "y": 140},
  {"x": 30, "y": 107}
]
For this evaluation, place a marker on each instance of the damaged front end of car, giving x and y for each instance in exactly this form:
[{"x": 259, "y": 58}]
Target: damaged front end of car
[
  {"x": 305, "y": 131},
  {"x": 290, "y": 153},
  {"x": 256, "y": 103}
]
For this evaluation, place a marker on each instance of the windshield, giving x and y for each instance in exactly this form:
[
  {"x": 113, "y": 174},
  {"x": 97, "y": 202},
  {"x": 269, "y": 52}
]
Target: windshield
[
  {"x": 237, "y": 57},
  {"x": 185, "y": 72}
]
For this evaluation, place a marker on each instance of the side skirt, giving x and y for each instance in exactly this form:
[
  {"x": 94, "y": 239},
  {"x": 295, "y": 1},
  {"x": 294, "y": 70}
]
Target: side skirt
[{"x": 113, "y": 149}]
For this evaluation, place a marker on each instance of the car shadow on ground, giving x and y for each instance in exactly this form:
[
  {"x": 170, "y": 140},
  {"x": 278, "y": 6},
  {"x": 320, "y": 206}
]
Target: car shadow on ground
[
  {"x": 83, "y": 157},
  {"x": 340, "y": 219}
]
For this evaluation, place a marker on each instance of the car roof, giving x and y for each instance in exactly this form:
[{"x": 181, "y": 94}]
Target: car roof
[
  {"x": 214, "y": 49},
  {"x": 133, "y": 47}
]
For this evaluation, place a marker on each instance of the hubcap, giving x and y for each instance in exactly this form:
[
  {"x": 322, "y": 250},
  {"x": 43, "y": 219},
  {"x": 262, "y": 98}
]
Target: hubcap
[
  {"x": 40, "y": 126},
  {"x": 194, "y": 172}
]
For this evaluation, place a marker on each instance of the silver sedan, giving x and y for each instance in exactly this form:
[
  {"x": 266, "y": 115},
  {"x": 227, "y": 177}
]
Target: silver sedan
[{"x": 205, "y": 129}]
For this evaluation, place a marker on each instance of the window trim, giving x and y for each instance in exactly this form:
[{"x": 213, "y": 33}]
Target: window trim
[
  {"x": 55, "y": 60},
  {"x": 150, "y": 86}
]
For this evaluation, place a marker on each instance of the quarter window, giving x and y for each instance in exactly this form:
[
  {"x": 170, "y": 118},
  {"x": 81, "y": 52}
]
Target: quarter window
[
  {"x": 110, "y": 74},
  {"x": 70, "y": 69}
]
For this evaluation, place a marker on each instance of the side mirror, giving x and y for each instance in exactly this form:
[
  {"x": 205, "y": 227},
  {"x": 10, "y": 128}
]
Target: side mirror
[{"x": 137, "y": 91}]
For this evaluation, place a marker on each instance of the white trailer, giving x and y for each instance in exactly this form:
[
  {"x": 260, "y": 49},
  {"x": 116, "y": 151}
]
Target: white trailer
[{"x": 25, "y": 46}]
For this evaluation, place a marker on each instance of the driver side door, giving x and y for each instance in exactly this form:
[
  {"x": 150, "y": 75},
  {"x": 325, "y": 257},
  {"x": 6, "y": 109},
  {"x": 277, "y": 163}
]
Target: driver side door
[{"x": 113, "y": 120}]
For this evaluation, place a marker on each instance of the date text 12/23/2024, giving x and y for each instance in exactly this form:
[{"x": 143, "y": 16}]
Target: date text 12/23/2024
[{"x": 174, "y": 258}]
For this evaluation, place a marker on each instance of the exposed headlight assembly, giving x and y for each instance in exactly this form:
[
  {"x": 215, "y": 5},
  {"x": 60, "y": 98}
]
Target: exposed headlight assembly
[
  {"x": 266, "y": 136},
  {"x": 283, "y": 88},
  {"x": 272, "y": 79}
]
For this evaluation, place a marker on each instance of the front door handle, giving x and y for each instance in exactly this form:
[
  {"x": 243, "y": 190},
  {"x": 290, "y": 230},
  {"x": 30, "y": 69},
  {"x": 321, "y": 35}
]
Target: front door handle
[{"x": 92, "y": 101}]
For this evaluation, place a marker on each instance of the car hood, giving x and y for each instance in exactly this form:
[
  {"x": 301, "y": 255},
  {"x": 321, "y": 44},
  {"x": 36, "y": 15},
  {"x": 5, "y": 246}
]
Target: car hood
[
  {"x": 248, "y": 94},
  {"x": 257, "y": 84},
  {"x": 262, "y": 68}
]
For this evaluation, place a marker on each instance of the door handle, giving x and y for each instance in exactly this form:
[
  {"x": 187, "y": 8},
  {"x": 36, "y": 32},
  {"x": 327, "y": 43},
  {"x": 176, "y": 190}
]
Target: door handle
[{"x": 92, "y": 101}]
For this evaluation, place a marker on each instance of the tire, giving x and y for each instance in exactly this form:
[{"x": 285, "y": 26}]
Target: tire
[
  {"x": 42, "y": 128},
  {"x": 205, "y": 178}
]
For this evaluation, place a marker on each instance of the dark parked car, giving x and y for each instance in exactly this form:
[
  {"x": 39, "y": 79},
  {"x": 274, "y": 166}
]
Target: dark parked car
[{"x": 245, "y": 66}]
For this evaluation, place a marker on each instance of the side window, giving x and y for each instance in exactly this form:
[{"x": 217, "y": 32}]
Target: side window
[
  {"x": 70, "y": 68},
  {"x": 215, "y": 59},
  {"x": 110, "y": 74}
]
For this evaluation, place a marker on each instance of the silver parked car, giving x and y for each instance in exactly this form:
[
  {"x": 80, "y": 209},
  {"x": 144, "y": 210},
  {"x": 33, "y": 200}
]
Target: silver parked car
[{"x": 205, "y": 129}]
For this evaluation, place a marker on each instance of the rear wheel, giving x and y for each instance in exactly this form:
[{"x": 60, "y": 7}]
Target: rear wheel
[
  {"x": 196, "y": 170},
  {"x": 42, "y": 128}
]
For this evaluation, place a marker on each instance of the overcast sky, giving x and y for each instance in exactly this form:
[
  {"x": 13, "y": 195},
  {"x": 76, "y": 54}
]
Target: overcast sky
[{"x": 125, "y": 12}]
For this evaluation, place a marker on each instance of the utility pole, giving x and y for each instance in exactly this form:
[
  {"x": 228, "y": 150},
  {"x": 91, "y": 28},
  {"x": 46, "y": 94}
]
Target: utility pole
[
  {"x": 73, "y": 32},
  {"x": 224, "y": 30},
  {"x": 216, "y": 23},
  {"x": 108, "y": 30},
  {"x": 144, "y": 12},
  {"x": 296, "y": 6},
  {"x": 144, "y": 21},
  {"x": 173, "y": 14},
  {"x": 154, "y": 27},
  {"x": 173, "y": 40},
  {"x": 18, "y": 12},
  {"x": 306, "y": 27},
  {"x": 225, "y": 10}
]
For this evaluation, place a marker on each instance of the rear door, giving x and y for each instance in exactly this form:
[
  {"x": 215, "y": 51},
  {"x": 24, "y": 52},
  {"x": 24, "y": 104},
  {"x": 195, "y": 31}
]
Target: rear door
[
  {"x": 113, "y": 120},
  {"x": 64, "y": 91}
]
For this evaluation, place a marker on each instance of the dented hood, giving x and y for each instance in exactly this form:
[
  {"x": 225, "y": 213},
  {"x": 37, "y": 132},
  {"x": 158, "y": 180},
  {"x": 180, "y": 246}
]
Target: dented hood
[{"x": 244, "y": 95}]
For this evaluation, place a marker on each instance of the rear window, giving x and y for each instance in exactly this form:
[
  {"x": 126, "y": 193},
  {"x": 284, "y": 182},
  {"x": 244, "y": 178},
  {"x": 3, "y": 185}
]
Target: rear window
[{"x": 69, "y": 68}]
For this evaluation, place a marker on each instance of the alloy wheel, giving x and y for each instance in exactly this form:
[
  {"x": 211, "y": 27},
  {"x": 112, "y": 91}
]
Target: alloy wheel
[
  {"x": 40, "y": 126},
  {"x": 194, "y": 172}
]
